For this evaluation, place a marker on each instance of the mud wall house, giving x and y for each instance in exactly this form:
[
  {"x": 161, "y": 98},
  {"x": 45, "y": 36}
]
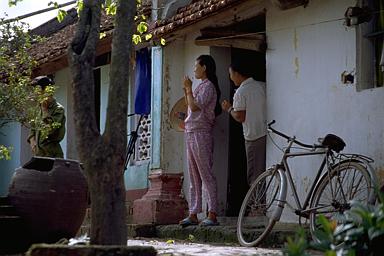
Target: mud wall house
[
  {"x": 300, "y": 48},
  {"x": 322, "y": 71}
]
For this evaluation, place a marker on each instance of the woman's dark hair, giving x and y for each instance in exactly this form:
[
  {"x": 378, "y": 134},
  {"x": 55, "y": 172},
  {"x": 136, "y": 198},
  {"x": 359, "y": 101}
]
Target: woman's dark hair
[{"x": 210, "y": 70}]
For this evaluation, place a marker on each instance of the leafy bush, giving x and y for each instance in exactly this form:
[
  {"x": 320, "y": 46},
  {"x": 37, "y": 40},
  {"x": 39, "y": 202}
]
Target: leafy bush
[
  {"x": 297, "y": 245},
  {"x": 360, "y": 233},
  {"x": 19, "y": 101}
]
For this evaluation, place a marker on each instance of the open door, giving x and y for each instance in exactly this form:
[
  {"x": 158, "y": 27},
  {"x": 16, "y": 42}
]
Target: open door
[{"x": 237, "y": 177}]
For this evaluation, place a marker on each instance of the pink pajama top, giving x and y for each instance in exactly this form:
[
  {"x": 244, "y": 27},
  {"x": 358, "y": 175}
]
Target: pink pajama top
[{"x": 205, "y": 98}]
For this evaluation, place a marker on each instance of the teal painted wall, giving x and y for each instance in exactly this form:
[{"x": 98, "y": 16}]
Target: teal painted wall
[
  {"x": 136, "y": 176},
  {"x": 10, "y": 136}
]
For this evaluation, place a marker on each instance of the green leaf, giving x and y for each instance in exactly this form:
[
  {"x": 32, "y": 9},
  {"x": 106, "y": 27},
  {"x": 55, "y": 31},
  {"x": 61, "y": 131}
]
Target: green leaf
[
  {"x": 142, "y": 27},
  {"x": 162, "y": 41},
  {"x": 296, "y": 246},
  {"x": 191, "y": 237},
  {"x": 54, "y": 3},
  {"x": 136, "y": 39},
  {"x": 343, "y": 228},
  {"x": 79, "y": 6},
  {"x": 5, "y": 152},
  {"x": 108, "y": 3},
  {"x": 110, "y": 8},
  {"x": 148, "y": 37},
  {"x": 13, "y": 2},
  {"x": 330, "y": 253},
  {"x": 61, "y": 15},
  {"x": 374, "y": 232},
  {"x": 102, "y": 35}
]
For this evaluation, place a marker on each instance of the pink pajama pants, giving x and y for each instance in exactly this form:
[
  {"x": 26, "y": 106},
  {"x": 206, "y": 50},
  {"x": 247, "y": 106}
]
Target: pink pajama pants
[{"x": 200, "y": 161}]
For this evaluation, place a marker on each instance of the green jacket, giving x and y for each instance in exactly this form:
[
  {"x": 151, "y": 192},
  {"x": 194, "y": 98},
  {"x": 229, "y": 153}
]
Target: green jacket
[{"x": 49, "y": 146}]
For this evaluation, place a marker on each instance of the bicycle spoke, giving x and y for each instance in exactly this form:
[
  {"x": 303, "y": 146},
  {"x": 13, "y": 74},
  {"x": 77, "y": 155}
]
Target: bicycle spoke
[
  {"x": 350, "y": 187},
  {"x": 341, "y": 189},
  {"x": 358, "y": 184},
  {"x": 254, "y": 221},
  {"x": 348, "y": 181}
]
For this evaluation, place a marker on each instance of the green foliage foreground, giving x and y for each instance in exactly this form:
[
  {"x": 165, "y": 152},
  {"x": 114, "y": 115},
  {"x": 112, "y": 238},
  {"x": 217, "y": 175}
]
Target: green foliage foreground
[
  {"x": 19, "y": 101},
  {"x": 360, "y": 233}
]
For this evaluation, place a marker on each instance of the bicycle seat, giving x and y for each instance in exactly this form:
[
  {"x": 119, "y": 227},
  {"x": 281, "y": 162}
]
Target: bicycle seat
[{"x": 333, "y": 142}]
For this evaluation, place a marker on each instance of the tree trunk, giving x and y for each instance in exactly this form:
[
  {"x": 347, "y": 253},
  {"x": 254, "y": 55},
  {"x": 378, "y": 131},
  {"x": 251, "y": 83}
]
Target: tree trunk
[{"x": 103, "y": 155}]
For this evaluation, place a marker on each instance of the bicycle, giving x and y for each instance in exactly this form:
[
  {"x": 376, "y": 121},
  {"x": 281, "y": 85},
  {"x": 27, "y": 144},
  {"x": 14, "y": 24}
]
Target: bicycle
[
  {"x": 339, "y": 179},
  {"x": 130, "y": 150}
]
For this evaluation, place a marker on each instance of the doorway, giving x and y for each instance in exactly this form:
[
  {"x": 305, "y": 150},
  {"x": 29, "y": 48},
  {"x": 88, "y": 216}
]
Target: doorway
[{"x": 237, "y": 161}]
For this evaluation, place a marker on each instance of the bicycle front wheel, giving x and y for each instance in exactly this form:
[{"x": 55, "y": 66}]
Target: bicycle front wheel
[
  {"x": 255, "y": 217},
  {"x": 347, "y": 181}
]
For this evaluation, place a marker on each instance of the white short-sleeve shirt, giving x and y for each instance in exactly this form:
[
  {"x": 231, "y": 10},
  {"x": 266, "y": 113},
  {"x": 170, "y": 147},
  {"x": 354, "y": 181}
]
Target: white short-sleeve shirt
[{"x": 250, "y": 96}]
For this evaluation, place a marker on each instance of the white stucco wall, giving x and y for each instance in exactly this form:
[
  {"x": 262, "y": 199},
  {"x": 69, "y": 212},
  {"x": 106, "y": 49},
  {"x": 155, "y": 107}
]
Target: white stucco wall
[
  {"x": 179, "y": 58},
  {"x": 172, "y": 146},
  {"x": 308, "y": 49}
]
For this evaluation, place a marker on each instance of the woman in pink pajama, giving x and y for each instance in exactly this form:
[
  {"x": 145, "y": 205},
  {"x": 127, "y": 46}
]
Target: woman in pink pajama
[{"x": 203, "y": 106}]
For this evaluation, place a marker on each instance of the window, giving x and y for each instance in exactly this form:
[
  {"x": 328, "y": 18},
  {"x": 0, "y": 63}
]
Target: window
[
  {"x": 143, "y": 144},
  {"x": 370, "y": 52}
]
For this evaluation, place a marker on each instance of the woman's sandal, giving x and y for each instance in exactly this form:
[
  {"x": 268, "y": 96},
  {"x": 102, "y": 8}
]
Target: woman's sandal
[
  {"x": 187, "y": 222},
  {"x": 208, "y": 222}
]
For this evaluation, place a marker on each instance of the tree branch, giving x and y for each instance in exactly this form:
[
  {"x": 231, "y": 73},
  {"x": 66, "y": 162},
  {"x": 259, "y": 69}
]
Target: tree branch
[{"x": 81, "y": 55}]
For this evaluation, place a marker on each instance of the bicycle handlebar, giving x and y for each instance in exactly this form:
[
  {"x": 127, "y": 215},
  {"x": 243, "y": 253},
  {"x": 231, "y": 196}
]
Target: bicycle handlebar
[{"x": 291, "y": 138}]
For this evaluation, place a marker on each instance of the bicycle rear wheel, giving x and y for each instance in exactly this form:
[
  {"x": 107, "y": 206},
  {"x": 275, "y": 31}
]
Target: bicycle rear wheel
[
  {"x": 261, "y": 202},
  {"x": 347, "y": 181}
]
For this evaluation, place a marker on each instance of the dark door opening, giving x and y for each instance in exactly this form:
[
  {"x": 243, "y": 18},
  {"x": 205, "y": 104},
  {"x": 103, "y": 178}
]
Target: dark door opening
[{"x": 237, "y": 176}]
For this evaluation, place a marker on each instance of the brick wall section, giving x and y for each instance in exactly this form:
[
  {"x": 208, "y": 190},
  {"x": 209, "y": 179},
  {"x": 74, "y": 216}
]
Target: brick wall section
[{"x": 131, "y": 195}]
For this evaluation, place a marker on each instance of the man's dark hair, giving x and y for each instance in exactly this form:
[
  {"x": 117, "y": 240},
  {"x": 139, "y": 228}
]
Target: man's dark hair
[
  {"x": 243, "y": 68},
  {"x": 42, "y": 81}
]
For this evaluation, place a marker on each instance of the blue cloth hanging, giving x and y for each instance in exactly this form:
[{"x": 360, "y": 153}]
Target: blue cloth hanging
[{"x": 143, "y": 82}]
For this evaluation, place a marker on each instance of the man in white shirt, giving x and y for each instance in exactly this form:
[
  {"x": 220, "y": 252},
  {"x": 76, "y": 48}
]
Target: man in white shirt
[{"x": 249, "y": 108}]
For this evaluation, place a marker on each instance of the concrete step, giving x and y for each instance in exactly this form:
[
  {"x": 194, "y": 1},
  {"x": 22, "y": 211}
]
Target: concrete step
[{"x": 222, "y": 234}]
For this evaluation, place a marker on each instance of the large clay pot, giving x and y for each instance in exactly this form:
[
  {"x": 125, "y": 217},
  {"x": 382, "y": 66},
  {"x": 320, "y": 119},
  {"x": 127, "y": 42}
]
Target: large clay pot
[{"x": 51, "y": 196}]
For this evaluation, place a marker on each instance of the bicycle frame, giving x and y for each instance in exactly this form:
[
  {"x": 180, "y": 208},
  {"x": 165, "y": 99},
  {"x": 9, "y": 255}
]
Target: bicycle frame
[
  {"x": 301, "y": 210},
  {"x": 268, "y": 193}
]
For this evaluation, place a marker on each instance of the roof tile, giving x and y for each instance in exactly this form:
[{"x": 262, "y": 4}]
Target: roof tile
[
  {"x": 189, "y": 14},
  {"x": 57, "y": 43}
]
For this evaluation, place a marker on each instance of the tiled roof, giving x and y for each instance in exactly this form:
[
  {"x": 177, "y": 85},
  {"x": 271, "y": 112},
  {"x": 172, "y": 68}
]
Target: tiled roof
[
  {"x": 190, "y": 14},
  {"x": 56, "y": 44}
]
